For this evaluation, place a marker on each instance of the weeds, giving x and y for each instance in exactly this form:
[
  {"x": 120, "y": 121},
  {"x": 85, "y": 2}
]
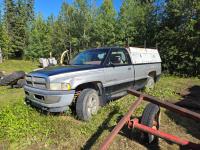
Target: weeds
[
  {"x": 18, "y": 121},
  {"x": 22, "y": 126}
]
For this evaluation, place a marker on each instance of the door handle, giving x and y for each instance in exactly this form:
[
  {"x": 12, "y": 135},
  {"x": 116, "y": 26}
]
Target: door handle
[{"x": 129, "y": 68}]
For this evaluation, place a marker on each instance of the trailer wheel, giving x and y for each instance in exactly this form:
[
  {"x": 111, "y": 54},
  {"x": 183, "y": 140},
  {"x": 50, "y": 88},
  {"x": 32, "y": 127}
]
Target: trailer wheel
[
  {"x": 150, "y": 118},
  {"x": 87, "y": 104}
]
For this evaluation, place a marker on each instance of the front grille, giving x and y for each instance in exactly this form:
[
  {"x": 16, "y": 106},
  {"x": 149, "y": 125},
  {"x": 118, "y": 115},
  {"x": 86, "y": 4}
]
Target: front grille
[{"x": 37, "y": 82}]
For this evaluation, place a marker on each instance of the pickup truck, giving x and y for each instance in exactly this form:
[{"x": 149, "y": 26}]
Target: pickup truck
[{"x": 91, "y": 79}]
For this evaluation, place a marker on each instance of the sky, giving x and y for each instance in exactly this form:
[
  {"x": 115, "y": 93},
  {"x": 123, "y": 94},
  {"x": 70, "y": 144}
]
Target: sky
[{"x": 48, "y": 7}]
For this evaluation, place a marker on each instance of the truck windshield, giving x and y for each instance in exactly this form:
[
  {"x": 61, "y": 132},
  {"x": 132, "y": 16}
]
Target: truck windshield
[{"x": 90, "y": 57}]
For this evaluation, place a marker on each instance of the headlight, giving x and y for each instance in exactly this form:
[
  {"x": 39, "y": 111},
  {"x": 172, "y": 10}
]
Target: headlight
[{"x": 60, "y": 86}]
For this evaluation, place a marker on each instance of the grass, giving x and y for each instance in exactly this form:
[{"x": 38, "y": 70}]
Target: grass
[
  {"x": 15, "y": 65},
  {"x": 22, "y": 127}
]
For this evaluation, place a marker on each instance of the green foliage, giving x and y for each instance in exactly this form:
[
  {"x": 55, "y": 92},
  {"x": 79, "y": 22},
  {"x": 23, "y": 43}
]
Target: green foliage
[
  {"x": 4, "y": 41},
  {"x": 18, "y": 15},
  {"x": 39, "y": 39},
  {"x": 64, "y": 30},
  {"x": 105, "y": 24},
  {"x": 179, "y": 37},
  {"x": 14, "y": 65},
  {"x": 172, "y": 25},
  {"x": 21, "y": 122},
  {"x": 22, "y": 127}
]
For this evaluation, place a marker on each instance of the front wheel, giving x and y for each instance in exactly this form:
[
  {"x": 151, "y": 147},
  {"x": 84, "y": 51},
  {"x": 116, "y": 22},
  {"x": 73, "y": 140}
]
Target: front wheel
[{"x": 87, "y": 104}]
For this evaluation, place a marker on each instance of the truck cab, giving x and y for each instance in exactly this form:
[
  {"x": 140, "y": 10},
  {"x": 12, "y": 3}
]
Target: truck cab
[{"x": 92, "y": 78}]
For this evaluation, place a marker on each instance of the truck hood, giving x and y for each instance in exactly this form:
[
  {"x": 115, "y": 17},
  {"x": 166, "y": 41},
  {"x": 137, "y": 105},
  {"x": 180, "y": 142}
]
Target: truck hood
[{"x": 55, "y": 70}]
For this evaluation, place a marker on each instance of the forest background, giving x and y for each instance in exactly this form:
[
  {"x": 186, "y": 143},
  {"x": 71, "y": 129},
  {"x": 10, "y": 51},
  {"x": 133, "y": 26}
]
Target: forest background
[{"x": 173, "y": 26}]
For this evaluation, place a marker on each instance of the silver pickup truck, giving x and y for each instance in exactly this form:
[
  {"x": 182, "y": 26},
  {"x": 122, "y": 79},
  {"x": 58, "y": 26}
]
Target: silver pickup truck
[{"x": 91, "y": 79}]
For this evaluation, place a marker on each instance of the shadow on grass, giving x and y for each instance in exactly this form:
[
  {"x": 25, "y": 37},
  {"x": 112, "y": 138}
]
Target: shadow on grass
[
  {"x": 125, "y": 131},
  {"x": 100, "y": 130},
  {"x": 190, "y": 100},
  {"x": 135, "y": 135}
]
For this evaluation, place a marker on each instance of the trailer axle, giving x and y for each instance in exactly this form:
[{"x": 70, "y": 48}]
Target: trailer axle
[{"x": 134, "y": 123}]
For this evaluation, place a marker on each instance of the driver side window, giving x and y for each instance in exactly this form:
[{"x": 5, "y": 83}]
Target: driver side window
[{"x": 118, "y": 57}]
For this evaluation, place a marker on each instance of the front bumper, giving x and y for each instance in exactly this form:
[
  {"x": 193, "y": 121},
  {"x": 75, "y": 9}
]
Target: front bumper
[{"x": 52, "y": 101}]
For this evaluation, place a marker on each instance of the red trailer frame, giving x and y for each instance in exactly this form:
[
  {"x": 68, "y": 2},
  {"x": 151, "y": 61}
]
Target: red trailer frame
[{"x": 134, "y": 123}]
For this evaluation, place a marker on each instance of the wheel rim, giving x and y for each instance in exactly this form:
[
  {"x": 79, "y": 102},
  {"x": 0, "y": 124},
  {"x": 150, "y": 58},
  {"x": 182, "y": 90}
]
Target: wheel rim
[
  {"x": 92, "y": 105},
  {"x": 150, "y": 83},
  {"x": 155, "y": 125}
]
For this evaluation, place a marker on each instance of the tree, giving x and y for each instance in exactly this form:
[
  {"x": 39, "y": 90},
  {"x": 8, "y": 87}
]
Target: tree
[
  {"x": 135, "y": 22},
  {"x": 30, "y": 10},
  {"x": 9, "y": 14},
  {"x": 105, "y": 22},
  {"x": 39, "y": 39},
  {"x": 172, "y": 24},
  {"x": 179, "y": 37},
  {"x": 4, "y": 40},
  {"x": 9, "y": 21},
  {"x": 62, "y": 30},
  {"x": 82, "y": 20},
  {"x": 18, "y": 14}
]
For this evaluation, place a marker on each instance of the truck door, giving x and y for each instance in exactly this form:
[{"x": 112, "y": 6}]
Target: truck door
[{"x": 118, "y": 71}]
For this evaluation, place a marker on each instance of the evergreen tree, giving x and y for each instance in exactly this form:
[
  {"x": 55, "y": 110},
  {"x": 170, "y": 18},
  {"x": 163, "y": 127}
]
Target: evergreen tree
[
  {"x": 135, "y": 23},
  {"x": 29, "y": 20},
  {"x": 173, "y": 24},
  {"x": 62, "y": 30},
  {"x": 105, "y": 23},
  {"x": 30, "y": 10},
  {"x": 179, "y": 37},
  {"x": 18, "y": 14},
  {"x": 19, "y": 30},
  {"x": 83, "y": 19},
  {"x": 39, "y": 39},
  {"x": 9, "y": 14},
  {"x": 4, "y": 38}
]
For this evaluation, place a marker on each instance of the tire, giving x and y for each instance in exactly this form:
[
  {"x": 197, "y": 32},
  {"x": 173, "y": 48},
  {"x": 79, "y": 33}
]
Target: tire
[
  {"x": 12, "y": 78},
  {"x": 20, "y": 83},
  {"x": 150, "y": 118},
  {"x": 87, "y": 104},
  {"x": 2, "y": 74},
  {"x": 150, "y": 82}
]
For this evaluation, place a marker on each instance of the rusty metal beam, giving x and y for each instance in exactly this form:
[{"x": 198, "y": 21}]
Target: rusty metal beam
[
  {"x": 182, "y": 111},
  {"x": 120, "y": 125},
  {"x": 158, "y": 133},
  {"x": 165, "y": 136}
]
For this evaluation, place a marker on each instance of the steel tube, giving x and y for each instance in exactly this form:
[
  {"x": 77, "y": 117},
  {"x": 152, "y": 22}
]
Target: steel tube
[
  {"x": 182, "y": 111},
  {"x": 120, "y": 125},
  {"x": 158, "y": 133},
  {"x": 164, "y": 135}
]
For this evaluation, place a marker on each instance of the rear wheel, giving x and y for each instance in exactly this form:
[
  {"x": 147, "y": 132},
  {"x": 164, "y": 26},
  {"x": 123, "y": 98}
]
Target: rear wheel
[
  {"x": 150, "y": 82},
  {"x": 87, "y": 104},
  {"x": 150, "y": 118}
]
